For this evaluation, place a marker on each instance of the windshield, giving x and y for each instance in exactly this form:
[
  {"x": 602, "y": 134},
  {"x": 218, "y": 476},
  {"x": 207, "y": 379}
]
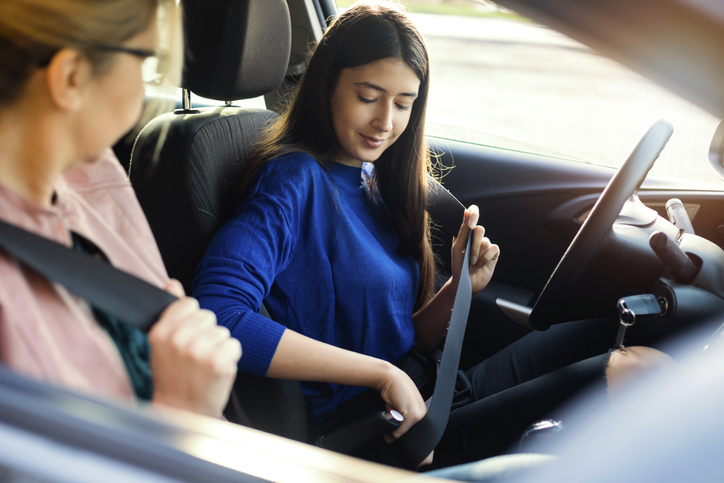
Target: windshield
[{"x": 498, "y": 78}]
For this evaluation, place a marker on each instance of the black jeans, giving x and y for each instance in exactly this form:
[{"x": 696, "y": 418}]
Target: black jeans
[{"x": 498, "y": 398}]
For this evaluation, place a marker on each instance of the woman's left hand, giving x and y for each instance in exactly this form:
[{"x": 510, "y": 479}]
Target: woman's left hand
[{"x": 483, "y": 254}]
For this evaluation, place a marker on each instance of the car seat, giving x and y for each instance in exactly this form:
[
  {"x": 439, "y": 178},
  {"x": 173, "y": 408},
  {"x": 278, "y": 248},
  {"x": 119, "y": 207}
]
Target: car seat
[{"x": 235, "y": 49}]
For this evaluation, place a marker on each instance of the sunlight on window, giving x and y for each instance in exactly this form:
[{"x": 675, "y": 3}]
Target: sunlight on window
[{"x": 498, "y": 76}]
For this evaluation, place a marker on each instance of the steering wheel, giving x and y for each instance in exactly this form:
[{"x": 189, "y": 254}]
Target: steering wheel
[{"x": 592, "y": 233}]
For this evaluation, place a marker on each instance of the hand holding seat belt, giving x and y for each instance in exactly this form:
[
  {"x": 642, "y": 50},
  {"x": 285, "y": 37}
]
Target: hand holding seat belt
[{"x": 414, "y": 446}]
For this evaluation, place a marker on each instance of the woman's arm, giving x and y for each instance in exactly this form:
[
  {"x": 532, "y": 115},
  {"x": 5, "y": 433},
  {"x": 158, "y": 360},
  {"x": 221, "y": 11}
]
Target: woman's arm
[
  {"x": 302, "y": 358},
  {"x": 431, "y": 321},
  {"x": 193, "y": 360},
  {"x": 245, "y": 257}
]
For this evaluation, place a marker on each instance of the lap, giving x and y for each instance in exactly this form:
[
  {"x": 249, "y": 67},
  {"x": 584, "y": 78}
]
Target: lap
[
  {"x": 523, "y": 383},
  {"x": 502, "y": 395},
  {"x": 540, "y": 353}
]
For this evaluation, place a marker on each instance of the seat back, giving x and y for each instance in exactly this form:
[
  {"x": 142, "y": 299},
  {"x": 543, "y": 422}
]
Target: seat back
[
  {"x": 192, "y": 189},
  {"x": 235, "y": 49}
]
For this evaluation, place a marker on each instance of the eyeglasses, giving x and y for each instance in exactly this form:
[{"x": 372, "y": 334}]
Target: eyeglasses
[
  {"x": 149, "y": 68},
  {"x": 151, "y": 63}
]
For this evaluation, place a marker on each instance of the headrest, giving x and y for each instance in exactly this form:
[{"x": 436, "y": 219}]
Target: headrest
[{"x": 235, "y": 49}]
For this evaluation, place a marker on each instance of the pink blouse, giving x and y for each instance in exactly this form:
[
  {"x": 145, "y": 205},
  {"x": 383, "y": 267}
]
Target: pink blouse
[{"x": 47, "y": 332}]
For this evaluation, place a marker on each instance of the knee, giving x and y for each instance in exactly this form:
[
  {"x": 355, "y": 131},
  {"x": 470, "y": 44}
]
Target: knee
[{"x": 625, "y": 365}]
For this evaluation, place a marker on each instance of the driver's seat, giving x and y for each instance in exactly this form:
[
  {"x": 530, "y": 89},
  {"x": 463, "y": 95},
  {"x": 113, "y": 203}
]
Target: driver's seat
[{"x": 235, "y": 49}]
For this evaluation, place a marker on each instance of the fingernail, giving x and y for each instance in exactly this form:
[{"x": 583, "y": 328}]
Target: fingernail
[
  {"x": 474, "y": 260},
  {"x": 471, "y": 222}
]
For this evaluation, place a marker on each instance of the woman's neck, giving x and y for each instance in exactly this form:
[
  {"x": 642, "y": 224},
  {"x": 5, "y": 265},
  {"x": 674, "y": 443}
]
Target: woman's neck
[{"x": 31, "y": 156}]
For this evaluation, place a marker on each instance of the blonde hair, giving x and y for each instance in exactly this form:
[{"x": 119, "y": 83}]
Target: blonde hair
[{"x": 32, "y": 31}]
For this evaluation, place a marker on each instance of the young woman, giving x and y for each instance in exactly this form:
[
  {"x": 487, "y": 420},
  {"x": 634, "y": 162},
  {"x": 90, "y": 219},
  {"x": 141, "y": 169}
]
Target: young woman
[
  {"x": 70, "y": 86},
  {"x": 334, "y": 238}
]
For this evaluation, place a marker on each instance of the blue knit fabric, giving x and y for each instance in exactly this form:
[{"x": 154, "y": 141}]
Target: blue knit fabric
[{"x": 323, "y": 257}]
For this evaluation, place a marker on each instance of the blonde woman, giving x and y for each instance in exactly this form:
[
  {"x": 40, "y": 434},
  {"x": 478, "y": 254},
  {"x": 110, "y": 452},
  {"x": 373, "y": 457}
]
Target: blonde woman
[{"x": 70, "y": 86}]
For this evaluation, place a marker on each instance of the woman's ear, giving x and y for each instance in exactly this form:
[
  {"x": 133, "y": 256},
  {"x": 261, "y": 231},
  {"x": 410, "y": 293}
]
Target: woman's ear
[{"x": 67, "y": 76}]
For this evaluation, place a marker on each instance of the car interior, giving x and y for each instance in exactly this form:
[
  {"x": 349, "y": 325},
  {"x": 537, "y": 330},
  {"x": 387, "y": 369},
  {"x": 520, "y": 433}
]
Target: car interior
[
  {"x": 188, "y": 192},
  {"x": 569, "y": 252}
]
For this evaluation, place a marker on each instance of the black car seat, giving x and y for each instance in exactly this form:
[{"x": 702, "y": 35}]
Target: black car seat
[{"x": 235, "y": 49}]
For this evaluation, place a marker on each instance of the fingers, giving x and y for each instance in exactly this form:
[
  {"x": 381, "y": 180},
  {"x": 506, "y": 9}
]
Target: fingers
[
  {"x": 474, "y": 215},
  {"x": 175, "y": 288},
  {"x": 413, "y": 411},
  {"x": 182, "y": 319},
  {"x": 479, "y": 244},
  {"x": 482, "y": 252},
  {"x": 193, "y": 360},
  {"x": 173, "y": 317},
  {"x": 216, "y": 348},
  {"x": 193, "y": 331},
  {"x": 227, "y": 353},
  {"x": 470, "y": 220},
  {"x": 461, "y": 240},
  {"x": 400, "y": 393},
  {"x": 413, "y": 415}
]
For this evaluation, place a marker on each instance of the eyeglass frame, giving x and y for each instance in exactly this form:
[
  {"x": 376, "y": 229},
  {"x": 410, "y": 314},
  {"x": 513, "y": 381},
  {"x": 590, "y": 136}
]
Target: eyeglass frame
[{"x": 137, "y": 52}]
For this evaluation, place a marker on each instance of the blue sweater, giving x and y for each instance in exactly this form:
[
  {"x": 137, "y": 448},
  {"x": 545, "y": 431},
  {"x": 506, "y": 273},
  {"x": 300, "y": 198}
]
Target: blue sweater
[{"x": 323, "y": 257}]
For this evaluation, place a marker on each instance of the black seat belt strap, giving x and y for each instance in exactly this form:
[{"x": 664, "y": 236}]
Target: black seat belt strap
[
  {"x": 414, "y": 446},
  {"x": 118, "y": 293}
]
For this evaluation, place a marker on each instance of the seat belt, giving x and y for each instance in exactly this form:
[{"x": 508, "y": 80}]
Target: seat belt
[
  {"x": 414, "y": 446},
  {"x": 109, "y": 289}
]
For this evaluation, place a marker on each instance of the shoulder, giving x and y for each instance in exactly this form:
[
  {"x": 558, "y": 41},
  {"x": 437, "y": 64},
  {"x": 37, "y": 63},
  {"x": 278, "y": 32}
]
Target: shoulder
[
  {"x": 101, "y": 174},
  {"x": 294, "y": 175},
  {"x": 99, "y": 202},
  {"x": 102, "y": 185},
  {"x": 294, "y": 164}
]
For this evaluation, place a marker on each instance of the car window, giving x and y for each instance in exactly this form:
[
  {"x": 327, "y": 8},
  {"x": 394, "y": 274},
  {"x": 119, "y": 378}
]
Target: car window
[{"x": 502, "y": 80}]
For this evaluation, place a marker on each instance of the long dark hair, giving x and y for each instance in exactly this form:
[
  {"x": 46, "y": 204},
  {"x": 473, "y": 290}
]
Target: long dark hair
[{"x": 365, "y": 33}]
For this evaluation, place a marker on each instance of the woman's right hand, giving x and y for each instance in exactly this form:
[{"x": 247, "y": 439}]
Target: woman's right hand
[
  {"x": 193, "y": 360},
  {"x": 304, "y": 359},
  {"x": 401, "y": 394}
]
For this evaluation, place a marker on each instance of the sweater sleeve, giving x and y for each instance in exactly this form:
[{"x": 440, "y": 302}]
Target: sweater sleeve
[{"x": 246, "y": 254}]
